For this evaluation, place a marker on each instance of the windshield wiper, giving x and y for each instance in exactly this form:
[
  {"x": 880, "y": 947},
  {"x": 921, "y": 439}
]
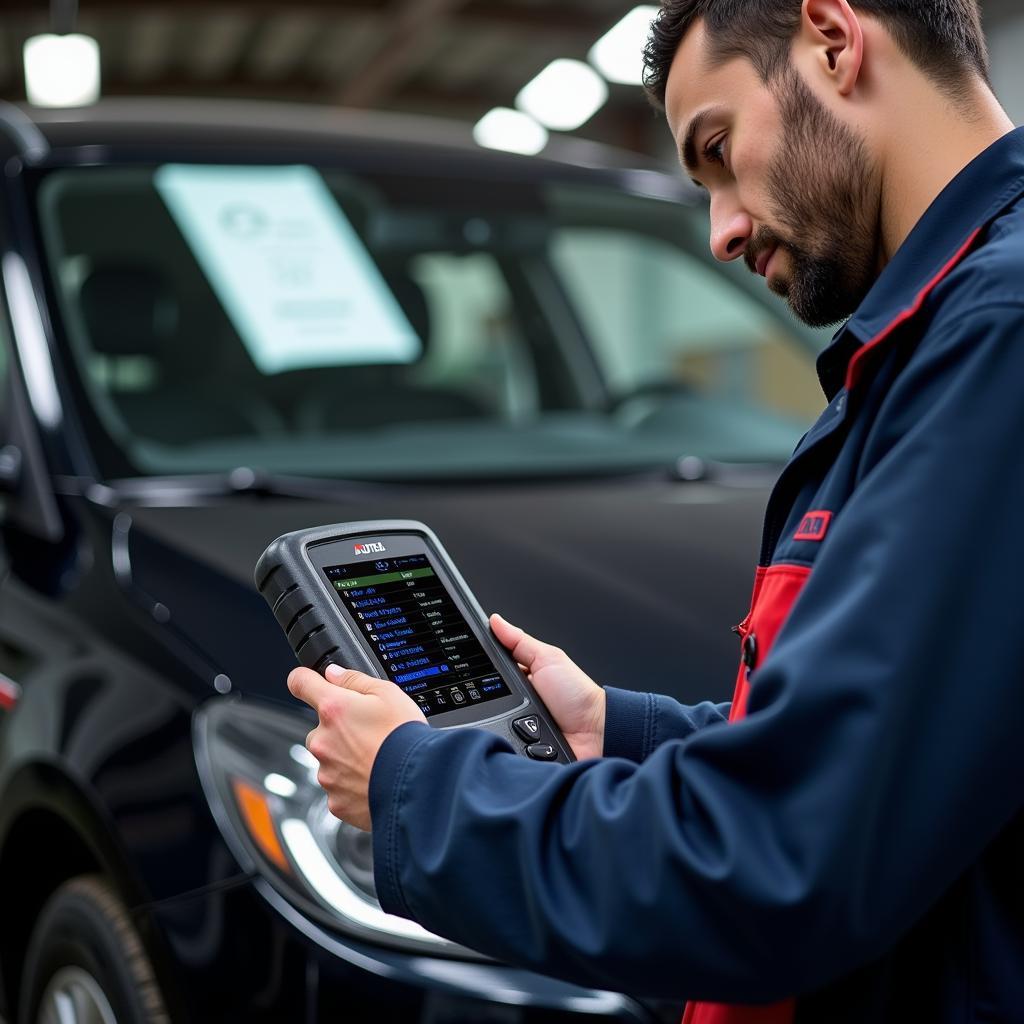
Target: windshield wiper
[
  {"x": 694, "y": 469},
  {"x": 241, "y": 481}
]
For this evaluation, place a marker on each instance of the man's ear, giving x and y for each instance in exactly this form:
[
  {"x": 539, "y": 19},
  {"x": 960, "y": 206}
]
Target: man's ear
[{"x": 833, "y": 32}]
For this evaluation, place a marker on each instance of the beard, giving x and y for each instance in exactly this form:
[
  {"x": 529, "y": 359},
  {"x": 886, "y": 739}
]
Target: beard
[{"x": 819, "y": 191}]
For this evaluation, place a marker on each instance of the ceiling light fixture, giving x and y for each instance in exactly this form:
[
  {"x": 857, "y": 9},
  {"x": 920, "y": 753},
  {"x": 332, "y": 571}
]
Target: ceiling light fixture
[
  {"x": 564, "y": 96},
  {"x": 62, "y": 71},
  {"x": 618, "y": 54},
  {"x": 62, "y": 68},
  {"x": 510, "y": 130}
]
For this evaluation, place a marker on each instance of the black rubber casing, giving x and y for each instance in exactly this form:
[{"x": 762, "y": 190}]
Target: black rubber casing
[{"x": 321, "y": 631}]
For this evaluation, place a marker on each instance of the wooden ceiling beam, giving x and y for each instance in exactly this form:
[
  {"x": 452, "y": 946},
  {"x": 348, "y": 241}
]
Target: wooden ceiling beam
[
  {"x": 554, "y": 19},
  {"x": 414, "y": 26}
]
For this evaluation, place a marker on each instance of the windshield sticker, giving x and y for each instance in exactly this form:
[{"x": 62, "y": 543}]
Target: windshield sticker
[{"x": 295, "y": 279}]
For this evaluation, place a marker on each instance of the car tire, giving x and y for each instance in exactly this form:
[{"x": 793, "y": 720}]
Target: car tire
[{"x": 86, "y": 963}]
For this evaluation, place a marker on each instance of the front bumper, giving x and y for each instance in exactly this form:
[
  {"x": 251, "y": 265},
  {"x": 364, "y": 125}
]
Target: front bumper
[{"x": 241, "y": 952}]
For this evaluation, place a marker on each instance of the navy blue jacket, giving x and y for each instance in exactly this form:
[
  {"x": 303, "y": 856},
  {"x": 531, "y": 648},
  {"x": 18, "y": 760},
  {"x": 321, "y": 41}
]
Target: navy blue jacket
[{"x": 857, "y": 839}]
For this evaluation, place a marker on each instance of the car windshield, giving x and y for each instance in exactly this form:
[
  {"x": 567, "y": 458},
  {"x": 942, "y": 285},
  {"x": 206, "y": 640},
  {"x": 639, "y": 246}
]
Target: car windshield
[{"x": 400, "y": 326}]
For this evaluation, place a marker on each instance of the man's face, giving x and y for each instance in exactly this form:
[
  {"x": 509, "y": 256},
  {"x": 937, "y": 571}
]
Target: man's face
[{"x": 792, "y": 187}]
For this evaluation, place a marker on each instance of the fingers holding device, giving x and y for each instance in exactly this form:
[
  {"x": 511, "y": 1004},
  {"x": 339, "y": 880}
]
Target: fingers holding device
[
  {"x": 356, "y": 713},
  {"x": 384, "y": 601},
  {"x": 576, "y": 702}
]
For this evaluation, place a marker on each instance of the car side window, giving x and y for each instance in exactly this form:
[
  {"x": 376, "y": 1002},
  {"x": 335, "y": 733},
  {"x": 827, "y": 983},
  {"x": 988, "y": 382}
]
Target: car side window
[{"x": 661, "y": 319}]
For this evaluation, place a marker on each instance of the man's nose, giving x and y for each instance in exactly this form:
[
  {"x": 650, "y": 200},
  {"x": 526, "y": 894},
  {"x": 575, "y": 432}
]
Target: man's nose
[{"x": 731, "y": 230}]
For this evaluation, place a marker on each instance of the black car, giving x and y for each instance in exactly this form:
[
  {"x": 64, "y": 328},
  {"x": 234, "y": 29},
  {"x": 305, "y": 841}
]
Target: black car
[{"x": 223, "y": 323}]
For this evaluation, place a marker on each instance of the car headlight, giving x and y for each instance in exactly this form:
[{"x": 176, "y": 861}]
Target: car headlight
[{"x": 261, "y": 784}]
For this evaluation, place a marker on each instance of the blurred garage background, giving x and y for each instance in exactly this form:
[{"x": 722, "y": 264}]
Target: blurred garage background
[
  {"x": 524, "y": 75},
  {"x": 458, "y": 59}
]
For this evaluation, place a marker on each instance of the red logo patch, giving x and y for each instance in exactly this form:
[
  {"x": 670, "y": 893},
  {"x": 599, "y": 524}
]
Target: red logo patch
[
  {"x": 10, "y": 693},
  {"x": 814, "y": 526}
]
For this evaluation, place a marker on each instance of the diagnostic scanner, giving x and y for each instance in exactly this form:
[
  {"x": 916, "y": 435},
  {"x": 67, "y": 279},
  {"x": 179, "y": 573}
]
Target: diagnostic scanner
[{"x": 385, "y": 598}]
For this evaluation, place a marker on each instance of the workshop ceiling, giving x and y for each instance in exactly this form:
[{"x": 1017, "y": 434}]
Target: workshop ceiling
[{"x": 454, "y": 58}]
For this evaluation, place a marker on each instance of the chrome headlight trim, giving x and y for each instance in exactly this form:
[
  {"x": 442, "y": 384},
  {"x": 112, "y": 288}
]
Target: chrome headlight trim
[{"x": 306, "y": 854}]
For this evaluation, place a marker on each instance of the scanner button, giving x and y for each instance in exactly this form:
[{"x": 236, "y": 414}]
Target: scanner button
[
  {"x": 528, "y": 728},
  {"x": 458, "y": 696},
  {"x": 542, "y": 752}
]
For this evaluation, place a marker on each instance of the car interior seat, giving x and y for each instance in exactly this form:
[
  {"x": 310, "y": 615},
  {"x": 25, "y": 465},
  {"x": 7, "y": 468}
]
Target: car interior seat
[
  {"x": 165, "y": 385},
  {"x": 371, "y": 396}
]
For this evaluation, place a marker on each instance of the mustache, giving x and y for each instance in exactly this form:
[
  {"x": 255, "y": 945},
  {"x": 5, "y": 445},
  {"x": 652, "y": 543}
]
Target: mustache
[{"x": 764, "y": 240}]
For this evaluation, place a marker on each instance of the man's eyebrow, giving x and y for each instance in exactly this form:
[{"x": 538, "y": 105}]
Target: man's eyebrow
[{"x": 689, "y": 148}]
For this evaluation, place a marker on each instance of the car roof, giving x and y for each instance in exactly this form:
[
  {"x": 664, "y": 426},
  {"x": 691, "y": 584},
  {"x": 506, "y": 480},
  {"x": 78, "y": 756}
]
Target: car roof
[{"x": 127, "y": 128}]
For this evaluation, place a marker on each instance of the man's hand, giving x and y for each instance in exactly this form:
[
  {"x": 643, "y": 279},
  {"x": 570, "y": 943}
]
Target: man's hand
[
  {"x": 575, "y": 701},
  {"x": 357, "y": 713}
]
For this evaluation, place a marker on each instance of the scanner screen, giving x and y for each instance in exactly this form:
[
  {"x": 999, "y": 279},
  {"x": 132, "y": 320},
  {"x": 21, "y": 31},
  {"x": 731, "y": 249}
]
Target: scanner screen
[{"x": 408, "y": 617}]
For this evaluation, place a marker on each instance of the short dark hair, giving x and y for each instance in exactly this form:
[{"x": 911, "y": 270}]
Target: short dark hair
[{"x": 943, "y": 37}]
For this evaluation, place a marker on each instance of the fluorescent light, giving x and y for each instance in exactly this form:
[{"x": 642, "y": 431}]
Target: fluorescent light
[
  {"x": 564, "y": 95},
  {"x": 511, "y": 131},
  {"x": 618, "y": 54},
  {"x": 62, "y": 71}
]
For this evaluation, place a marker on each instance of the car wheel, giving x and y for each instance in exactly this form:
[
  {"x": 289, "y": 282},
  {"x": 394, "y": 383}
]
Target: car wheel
[{"x": 86, "y": 963}]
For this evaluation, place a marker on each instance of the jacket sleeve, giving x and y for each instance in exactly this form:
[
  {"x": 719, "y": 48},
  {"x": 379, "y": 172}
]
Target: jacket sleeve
[
  {"x": 636, "y": 724},
  {"x": 882, "y": 753}
]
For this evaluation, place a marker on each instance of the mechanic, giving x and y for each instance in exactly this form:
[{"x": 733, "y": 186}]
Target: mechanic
[{"x": 850, "y": 847}]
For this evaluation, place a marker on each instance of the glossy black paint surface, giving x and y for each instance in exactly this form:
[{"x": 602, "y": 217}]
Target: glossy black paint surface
[{"x": 116, "y": 628}]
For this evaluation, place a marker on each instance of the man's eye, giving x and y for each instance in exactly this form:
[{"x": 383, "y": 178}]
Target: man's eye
[{"x": 714, "y": 152}]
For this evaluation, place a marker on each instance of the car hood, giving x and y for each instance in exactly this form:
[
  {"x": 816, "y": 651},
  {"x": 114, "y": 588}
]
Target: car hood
[{"x": 639, "y": 580}]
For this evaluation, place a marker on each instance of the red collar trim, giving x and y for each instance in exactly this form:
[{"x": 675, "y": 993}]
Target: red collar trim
[{"x": 856, "y": 368}]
